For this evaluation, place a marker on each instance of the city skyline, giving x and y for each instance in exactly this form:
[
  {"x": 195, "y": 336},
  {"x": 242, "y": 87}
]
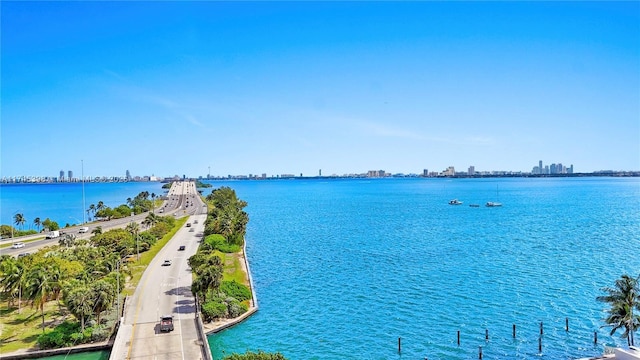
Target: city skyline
[
  {"x": 450, "y": 171},
  {"x": 289, "y": 88}
]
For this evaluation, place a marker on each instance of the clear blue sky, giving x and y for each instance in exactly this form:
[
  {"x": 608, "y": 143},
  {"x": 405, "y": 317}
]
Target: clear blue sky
[{"x": 171, "y": 88}]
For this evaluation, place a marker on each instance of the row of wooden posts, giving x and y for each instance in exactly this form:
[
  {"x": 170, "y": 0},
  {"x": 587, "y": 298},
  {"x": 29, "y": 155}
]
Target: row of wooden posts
[{"x": 486, "y": 336}]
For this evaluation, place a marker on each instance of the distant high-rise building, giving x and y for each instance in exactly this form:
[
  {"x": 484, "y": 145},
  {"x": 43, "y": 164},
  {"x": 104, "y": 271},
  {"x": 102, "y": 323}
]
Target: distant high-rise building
[
  {"x": 472, "y": 170},
  {"x": 61, "y": 175},
  {"x": 320, "y": 172},
  {"x": 540, "y": 166},
  {"x": 570, "y": 171},
  {"x": 425, "y": 172},
  {"x": 128, "y": 176},
  {"x": 69, "y": 175}
]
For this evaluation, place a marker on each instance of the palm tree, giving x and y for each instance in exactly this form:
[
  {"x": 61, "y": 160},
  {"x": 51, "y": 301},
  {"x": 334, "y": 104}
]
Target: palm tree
[
  {"x": 100, "y": 206},
  {"x": 153, "y": 201},
  {"x": 92, "y": 208},
  {"x": 12, "y": 277},
  {"x": 79, "y": 301},
  {"x": 19, "y": 220},
  {"x": 103, "y": 295},
  {"x": 40, "y": 284},
  {"x": 150, "y": 220},
  {"x": 37, "y": 223},
  {"x": 623, "y": 298}
]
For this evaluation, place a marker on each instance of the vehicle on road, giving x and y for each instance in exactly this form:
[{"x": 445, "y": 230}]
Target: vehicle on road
[
  {"x": 83, "y": 230},
  {"x": 181, "y": 248},
  {"x": 166, "y": 263},
  {"x": 23, "y": 254},
  {"x": 188, "y": 224},
  {"x": 17, "y": 245},
  {"x": 166, "y": 323},
  {"x": 53, "y": 234}
]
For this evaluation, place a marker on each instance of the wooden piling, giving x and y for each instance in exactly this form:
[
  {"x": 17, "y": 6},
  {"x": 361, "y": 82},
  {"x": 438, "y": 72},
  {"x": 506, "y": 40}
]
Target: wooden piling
[
  {"x": 399, "y": 345},
  {"x": 541, "y": 331},
  {"x": 540, "y": 344},
  {"x": 480, "y": 352},
  {"x": 566, "y": 322},
  {"x": 486, "y": 334},
  {"x": 595, "y": 337},
  {"x": 458, "y": 337},
  {"x": 514, "y": 331}
]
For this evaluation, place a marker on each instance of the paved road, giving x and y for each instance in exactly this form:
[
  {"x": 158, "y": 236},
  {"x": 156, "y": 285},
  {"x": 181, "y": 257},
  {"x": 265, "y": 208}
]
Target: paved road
[
  {"x": 180, "y": 194},
  {"x": 165, "y": 290}
]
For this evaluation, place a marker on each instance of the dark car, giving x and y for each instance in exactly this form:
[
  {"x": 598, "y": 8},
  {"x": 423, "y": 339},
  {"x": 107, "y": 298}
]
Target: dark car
[{"x": 181, "y": 248}]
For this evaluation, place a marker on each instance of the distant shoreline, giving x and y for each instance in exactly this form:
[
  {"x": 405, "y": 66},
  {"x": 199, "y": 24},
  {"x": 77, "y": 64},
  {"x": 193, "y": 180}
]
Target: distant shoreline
[{"x": 619, "y": 174}]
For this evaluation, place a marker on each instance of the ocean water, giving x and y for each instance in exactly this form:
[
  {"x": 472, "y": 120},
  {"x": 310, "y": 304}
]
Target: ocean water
[
  {"x": 63, "y": 202},
  {"x": 343, "y": 268}
]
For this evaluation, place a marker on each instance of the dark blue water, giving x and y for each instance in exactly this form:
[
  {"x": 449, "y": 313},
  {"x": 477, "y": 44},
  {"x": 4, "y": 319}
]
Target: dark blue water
[{"x": 343, "y": 268}]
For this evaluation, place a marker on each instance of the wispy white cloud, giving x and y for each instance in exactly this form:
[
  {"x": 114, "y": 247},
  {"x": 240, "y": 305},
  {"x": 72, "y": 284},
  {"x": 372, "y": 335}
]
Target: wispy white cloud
[{"x": 136, "y": 93}]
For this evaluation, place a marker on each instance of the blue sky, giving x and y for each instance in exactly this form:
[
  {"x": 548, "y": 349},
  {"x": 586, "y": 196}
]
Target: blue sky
[{"x": 171, "y": 88}]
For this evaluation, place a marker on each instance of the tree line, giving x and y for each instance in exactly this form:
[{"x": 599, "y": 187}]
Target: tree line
[
  {"x": 225, "y": 228},
  {"x": 82, "y": 277}
]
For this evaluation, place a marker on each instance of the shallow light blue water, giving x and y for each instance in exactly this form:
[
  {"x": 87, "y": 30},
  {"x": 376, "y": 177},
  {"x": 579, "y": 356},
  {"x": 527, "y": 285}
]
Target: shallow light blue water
[{"x": 343, "y": 268}]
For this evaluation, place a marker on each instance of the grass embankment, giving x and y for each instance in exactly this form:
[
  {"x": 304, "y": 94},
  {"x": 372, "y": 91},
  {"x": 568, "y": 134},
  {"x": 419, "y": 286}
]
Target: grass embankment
[
  {"x": 232, "y": 267},
  {"x": 137, "y": 268},
  {"x": 20, "y": 329}
]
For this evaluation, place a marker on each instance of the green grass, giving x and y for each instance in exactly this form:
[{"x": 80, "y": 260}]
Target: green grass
[
  {"x": 232, "y": 270},
  {"x": 20, "y": 330},
  {"x": 138, "y": 267}
]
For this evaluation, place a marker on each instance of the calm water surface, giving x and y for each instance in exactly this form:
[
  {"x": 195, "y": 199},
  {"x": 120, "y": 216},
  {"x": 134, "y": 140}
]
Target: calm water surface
[
  {"x": 343, "y": 268},
  {"x": 63, "y": 202}
]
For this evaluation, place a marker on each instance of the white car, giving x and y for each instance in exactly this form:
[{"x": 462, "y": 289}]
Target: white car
[
  {"x": 83, "y": 229},
  {"x": 17, "y": 245}
]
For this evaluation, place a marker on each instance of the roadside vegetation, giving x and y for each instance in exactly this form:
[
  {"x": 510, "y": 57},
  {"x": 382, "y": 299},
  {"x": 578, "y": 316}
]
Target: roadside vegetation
[
  {"x": 137, "y": 205},
  {"x": 67, "y": 294},
  {"x": 219, "y": 280}
]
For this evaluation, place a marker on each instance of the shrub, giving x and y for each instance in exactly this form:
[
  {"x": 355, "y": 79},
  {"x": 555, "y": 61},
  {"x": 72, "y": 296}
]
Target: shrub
[
  {"x": 235, "y": 290},
  {"x": 235, "y": 308},
  {"x": 214, "y": 240},
  {"x": 212, "y": 310},
  {"x": 66, "y": 334},
  {"x": 228, "y": 248}
]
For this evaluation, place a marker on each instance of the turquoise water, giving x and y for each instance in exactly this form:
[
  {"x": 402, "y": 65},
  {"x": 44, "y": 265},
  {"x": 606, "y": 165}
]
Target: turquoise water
[
  {"x": 342, "y": 268},
  {"x": 63, "y": 202}
]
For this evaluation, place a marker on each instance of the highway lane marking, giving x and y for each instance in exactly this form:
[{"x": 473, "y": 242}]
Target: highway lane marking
[{"x": 135, "y": 319}]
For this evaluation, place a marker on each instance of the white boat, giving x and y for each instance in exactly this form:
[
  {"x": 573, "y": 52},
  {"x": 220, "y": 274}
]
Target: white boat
[
  {"x": 494, "y": 203},
  {"x": 455, "y": 202}
]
